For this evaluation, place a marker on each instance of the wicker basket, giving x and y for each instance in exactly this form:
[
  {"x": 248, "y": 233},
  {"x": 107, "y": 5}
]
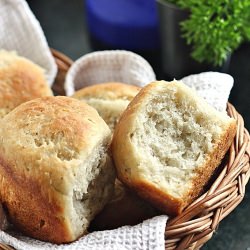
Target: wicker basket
[{"x": 196, "y": 225}]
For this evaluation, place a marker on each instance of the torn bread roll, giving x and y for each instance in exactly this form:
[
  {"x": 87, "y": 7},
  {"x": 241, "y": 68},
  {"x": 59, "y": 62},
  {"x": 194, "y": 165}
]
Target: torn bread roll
[
  {"x": 168, "y": 143},
  {"x": 20, "y": 81},
  {"x": 55, "y": 171},
  {"x": 109, "y": 99}
]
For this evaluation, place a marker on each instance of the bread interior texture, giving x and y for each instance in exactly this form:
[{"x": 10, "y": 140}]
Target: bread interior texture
[
  {"x": 173, "y": 138},
  {"x": 109, "y": 110},
  {"x": 92, "y": 189}
]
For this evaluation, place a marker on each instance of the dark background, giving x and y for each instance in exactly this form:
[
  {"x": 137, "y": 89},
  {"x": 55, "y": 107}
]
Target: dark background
[{"x": 64, "y": 25}]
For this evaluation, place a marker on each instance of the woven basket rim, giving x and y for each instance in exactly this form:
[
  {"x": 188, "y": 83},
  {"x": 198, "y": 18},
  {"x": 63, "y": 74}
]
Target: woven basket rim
[{"x": 197, "y": 223}]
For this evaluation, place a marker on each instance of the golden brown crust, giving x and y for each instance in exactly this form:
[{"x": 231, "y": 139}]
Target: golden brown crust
[
  {"x": 161, "y": 200},
  {"x": 126, "y": 159},
  {"x": 50, "y": 138},
  {"x": 20, "y": 81},
  {"x": 108, "y": 91},
  {"x": 29, "y": 210}
]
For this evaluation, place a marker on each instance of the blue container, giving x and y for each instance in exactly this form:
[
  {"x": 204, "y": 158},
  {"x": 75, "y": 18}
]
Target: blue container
[{"x": 124, "y": 24}]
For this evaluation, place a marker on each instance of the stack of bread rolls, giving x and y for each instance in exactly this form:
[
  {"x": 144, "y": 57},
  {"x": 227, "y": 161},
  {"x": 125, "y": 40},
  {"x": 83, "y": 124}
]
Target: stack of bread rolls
[{"x": 65, "y": 164}]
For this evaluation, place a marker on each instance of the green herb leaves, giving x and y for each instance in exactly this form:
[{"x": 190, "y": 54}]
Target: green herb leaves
[{"x": 215, "y": 29}]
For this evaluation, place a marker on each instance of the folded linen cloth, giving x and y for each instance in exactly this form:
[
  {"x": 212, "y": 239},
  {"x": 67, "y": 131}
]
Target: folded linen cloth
[
  {"x": 147, "y": 235},
  {"x": 108, "y": 66},
  {"x": 214, "y": 87}
]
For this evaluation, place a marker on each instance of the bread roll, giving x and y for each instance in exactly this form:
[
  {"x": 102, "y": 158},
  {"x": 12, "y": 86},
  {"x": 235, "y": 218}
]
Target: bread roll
[
  {"x": 168, "y": 143},
  {"x": 55, "y": 172},
  {"x": 20, "y": 80},
  {"x": 109, "y": 99}
]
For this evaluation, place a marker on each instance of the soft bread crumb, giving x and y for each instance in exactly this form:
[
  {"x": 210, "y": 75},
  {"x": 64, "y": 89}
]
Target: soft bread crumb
[
  {"x": 92, "y": 189},
  {"x": 174, "y": 139},
  {"x": 109, "y": 110}
]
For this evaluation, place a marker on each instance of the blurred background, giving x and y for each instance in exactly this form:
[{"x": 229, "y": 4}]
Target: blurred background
[{"x": 150, "y": 28}]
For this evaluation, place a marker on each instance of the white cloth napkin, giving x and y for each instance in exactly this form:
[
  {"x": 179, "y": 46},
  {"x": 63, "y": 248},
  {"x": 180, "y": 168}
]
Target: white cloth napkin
[
  {"x": 20, "y": 31},
  {"x": 108, "y": 66},
  {"x": 147, "y": 235},
  {"x": 214, "y": 87}
]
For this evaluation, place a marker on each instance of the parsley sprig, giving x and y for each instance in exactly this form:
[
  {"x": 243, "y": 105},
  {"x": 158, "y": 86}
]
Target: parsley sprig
[{"x": 215, "y": 28}]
